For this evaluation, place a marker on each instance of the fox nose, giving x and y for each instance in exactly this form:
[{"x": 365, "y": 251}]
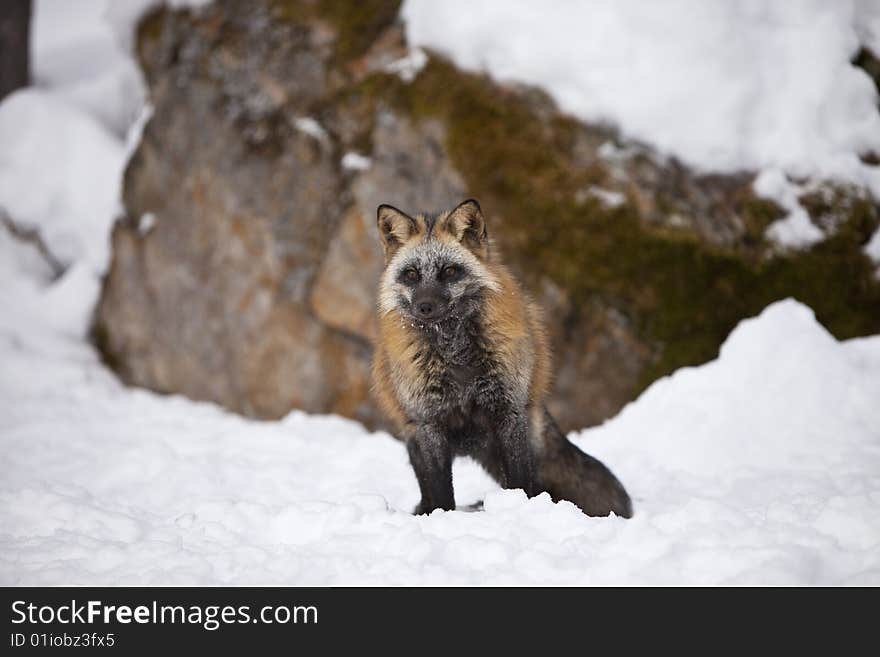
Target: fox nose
[{"x": 429, "y": 303}]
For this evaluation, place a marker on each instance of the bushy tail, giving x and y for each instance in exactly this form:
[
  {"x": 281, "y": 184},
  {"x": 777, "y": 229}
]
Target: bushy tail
[{"x": 567, "y": 473}]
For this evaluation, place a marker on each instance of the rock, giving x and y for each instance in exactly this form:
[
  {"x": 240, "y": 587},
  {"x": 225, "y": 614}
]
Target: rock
[
  {"x": 344, "y": 291},
  {"x": 410, "y": 170},
  {"x": 244, "y": 270},
  {"x": 212, "y": 301},
  {"x": 597, "y": 356}
]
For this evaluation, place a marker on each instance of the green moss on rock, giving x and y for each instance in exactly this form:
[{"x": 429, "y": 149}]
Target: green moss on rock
[{"x": 757, "y": 213}]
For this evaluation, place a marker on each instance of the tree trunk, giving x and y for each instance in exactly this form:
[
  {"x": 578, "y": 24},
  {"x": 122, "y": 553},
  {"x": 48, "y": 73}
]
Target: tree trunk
[{"x": 15, "y": 21}]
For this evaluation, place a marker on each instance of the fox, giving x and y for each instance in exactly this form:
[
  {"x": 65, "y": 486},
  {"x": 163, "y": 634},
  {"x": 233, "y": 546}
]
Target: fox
[{"x": 462, "y": 366}]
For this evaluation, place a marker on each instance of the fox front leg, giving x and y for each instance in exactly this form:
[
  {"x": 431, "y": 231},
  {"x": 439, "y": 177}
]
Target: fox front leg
[
  {"x": 518, "y": 466},
  {"x": 431, "y": 457}
]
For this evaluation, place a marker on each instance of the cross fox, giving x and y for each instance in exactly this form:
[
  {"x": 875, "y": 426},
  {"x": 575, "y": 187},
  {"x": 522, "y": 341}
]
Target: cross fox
[{"x": 462, "y": 366}]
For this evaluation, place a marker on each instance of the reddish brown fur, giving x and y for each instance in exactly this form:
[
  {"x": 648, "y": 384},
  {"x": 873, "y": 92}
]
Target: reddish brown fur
[{"x": 515, "y": 341}]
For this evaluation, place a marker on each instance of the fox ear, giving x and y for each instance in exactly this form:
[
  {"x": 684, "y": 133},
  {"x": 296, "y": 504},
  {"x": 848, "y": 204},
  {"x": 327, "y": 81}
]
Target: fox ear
[
  {"x": 395, "y": 228},
  {"x": 467, "y": 225}
]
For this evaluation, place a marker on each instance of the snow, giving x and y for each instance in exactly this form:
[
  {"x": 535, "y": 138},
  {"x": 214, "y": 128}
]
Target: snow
[
  {"x": 724, "y": 86},
  {"x": 795, "y": 230},
  {"x": 80, "y": 49},
  {"x": 77, "y": 165},
  {"x": 146, "y": 223},
  {"x": 872, "y": 248},
  {"x": 606, "y": 197},
  {"x": 311, "y": 127},
  {"x": 408, "y": 66},
  {"x": 761, "y": 467},
  {"x": 77, "y": 54},
  {"x": 356, "y": 162}
]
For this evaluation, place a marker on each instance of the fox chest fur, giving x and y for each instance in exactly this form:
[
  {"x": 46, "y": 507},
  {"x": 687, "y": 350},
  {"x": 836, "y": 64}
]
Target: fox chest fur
[{"x": 455, "y": 374}]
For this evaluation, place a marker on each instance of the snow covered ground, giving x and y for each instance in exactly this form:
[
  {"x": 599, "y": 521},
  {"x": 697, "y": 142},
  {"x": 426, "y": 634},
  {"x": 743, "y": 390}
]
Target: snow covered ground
[{"x": 762, "y": 467}]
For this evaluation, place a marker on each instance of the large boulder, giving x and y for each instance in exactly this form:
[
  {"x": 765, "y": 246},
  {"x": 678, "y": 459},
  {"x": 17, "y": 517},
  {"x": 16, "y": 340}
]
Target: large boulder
[{"x": 245, "y": 267}]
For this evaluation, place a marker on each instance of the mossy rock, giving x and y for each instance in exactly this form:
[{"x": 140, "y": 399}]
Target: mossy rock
[
  {"x": 635, "y": 289},
  {"x": 357, "y": 24},
  {"x": 683, "y": 295}
]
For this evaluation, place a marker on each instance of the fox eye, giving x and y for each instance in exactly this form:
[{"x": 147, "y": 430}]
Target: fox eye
[
  {"x": 450, "y": 272},
  {"x": 411, "y": 275}
]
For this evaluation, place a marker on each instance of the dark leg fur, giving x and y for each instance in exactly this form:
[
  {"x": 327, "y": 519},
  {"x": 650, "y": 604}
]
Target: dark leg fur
[
  {"x": 563, "y": 470},
  {"x": 567, "y": 473},
  {"x": 431, "y": 457},
  {"x": 518, "y": 468}
]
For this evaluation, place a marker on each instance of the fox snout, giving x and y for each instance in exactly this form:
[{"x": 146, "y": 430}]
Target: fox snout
[{"x": 429, "y": 302}]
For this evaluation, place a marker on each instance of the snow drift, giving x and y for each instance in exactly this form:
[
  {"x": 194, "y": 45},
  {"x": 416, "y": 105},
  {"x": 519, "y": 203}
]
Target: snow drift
[{"x": 760, "y": 467}]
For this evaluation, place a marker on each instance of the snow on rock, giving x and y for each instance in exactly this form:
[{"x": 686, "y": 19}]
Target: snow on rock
[
  {"x": 80, "y": 50},
  {"x": 725, "y": 86},
  {"x": 872, "y": 248},
  {"x": 76, "y": 52},
  {"x": 309, "y": 126},
  {"x": 408, "y": 66},
  {"x": 356, "y": 162},
  {"x": 607, "y": 197},
  {"x": 868, "y": 27},
  {"x": 795, "y": 230},
  {"x": 60, "y": 173},
  {"x": 66, "y": 140}
]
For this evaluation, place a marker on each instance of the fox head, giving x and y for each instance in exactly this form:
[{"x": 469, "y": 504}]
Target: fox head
[{"x": 435, "y": 266}]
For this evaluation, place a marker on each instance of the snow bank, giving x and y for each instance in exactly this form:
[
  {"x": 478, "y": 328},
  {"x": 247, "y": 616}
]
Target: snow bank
[
  {"x": 77, "y": 53},
  {"x": 60, "y": 173},
  {"x": 760, "y": 467},
  {"x": 82, "y": 51},
  {"x": 66, "y": 140},
  {"x": 783, "y": 391},
  {"x": 722, "y": 85}
]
